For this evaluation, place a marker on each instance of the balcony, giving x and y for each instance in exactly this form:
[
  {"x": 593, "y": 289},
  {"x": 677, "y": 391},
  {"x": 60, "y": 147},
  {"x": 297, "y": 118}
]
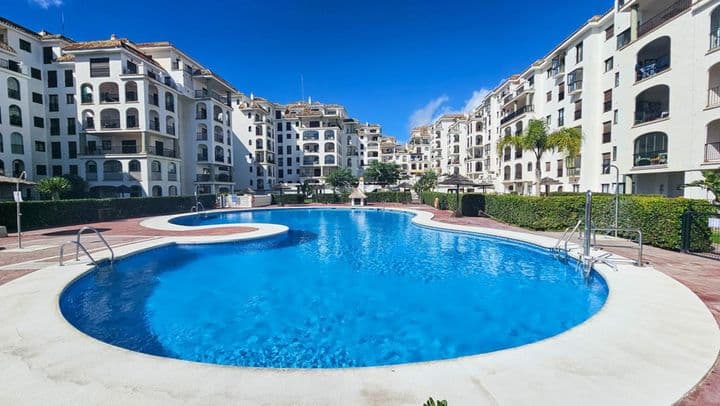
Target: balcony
[
  {"x": 712, "y": 152},
  {"x": 126, "y": 150},
  {"x": 155, "y": 175},
  {"x": 223, "y": 177},
  {"x": 113, "y": 176},
  {"x": 109, "y": 98},
  {"x": 517, "y": 113},
  {"x": 202, "y": 157},
  {"x": 110, "y": 124},
  {"x": 650, "y": 158},
  {"x": 661, "y": 17},
  {"x": 575, "y": 87},
  {"x": 208, "y": 94},
  {"x": 201, "y": 136},
  {"x": 10, "y": 65}
]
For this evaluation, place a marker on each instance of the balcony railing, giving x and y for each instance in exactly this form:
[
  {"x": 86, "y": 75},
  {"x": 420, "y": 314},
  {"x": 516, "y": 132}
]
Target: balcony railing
[
  {"x": 155, "y": 175},
  {"x": 714, "y": 96},
  {"x": 652, "y": 67},
  {"x": 663, "y": 16},
  {"x": 16, "y": 121},
  {"x": 10, "y": 65},
  {"x": 110, "y": 123},
  {"x": 646, "y": 116},
  {"x": 113, "y": 176},
  {"x": 204, "y": 177},
  {"x": 167, "y": 152},
  {"x": 712, "y": 151},
  {"x": 202, "y": 157},
  {"x": 573, "y": 172},
  {"x": 201, "y": 136},
  {"x": 223, "y": 178},
  {"x": 14, "y": 94},
  {"x": 576, "y": 86},
  {"x": 127, "y": 149},
  {"x": 109, "y": 97},
  {"x": 517, "y": 113},
  {"x": 204, "y": 94},
  {"x": 715, "y": 38},
  {"x": 649, "y": 158}
]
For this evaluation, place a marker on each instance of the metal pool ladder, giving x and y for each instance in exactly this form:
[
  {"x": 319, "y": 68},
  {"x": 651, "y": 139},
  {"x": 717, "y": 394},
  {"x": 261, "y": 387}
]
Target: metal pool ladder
[
  {"x": 561, "y": 247},
  {"x": 79, "y": 245}
]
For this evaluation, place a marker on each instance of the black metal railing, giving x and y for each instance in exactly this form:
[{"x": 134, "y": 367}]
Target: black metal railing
[
  {"x": 645, "y": 116},
  {"x": 517, "y": 113},
  {"x": 110, "y": 123},
  {"x": 10, "y": 65},
  {"x": 649, "y": 158},
  {"x": 109, "y": 97},
  {"x": 701, "y": 233},
  {"x": 712, "y": 151},
  {"x": 714, "y": 96},
  {"x": 14, "y": 94},
  {"x": 715, "y": 38},
  {"x": 662, "y": 16},
  {"x": 574, "y": 86},
  {"x": 652, "y": 68}
]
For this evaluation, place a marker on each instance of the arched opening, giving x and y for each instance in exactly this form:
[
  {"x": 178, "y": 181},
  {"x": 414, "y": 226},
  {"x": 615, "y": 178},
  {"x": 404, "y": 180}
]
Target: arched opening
[
  {"x": 155, "y": 170},
  {"x": 653, "y": 58},
  {"x": 201, "y": 133},
  {"x": 200, "y": 111},
  {"x": 518, "y": 171},
  {"x": 13, "y": 88},
  {"x": 712, "y": 142},
  {"x": 172, "y": 171},
  {"x": 131, "y": 93},
  {"x": 218, "y": 114},
  {"x": 714, "y": 86},
  {"x": 202, "y": 154},
  {"x": 229, "y": 156},
  {"x": 715, "y": 28},
  {"x": 112, "y": 170},
  {"x": 219, "y": 154},
  {"x": 131, "y": 118},
  {"x": 16, "y": 143},
  {"x": 311, "y": 136},
  {"x": 329, "y": 159},
  {"x": 329, "y": 147},
  {"x": 329, "y": 135},
  {"x": 170, "y": 125},
  {"x": 172, "y": 191},
  {"x": 169, "y": 102},
  {"x": 2, "y": 168},
  {"x": 651, "y": 149},
  {"x": 228, "y": 138},
  {"x": 154, "y": 120},
  {"x": 91, "y": 170},
  {"x": 153, "y": 95},
  {"x": 18, "y": 167},
  {"x": 15, "y": 116},
  {"x": 218, "y": 134},
  {"x": 88, "y": 119},
  {"x": 110, "y": 119},
  {"x": 506, "y": 172},
  {"x": 311, "y": 147},
  {"x": 109, "y": 93},
  {"x": 134, "y": 170},
  {"x": 156, "y": 191},
  {"x": 652, "y": 104},
  {"x": 86, "y": 93},
  {"x": 507, "y": 152}
]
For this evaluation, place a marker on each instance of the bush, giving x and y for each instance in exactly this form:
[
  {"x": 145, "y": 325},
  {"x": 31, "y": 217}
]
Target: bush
[
  {"x": 48, "y": 213},
  {"x": 288, "y": 199},
  {"x": 331, "y": 198},
  {"x": 388, "y": 197},
  {"x": 429, "y": 199}
]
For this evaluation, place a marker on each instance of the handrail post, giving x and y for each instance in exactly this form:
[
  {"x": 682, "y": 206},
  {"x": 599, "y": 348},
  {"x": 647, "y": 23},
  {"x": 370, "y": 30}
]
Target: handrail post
[{"x": 588, "y": 223}]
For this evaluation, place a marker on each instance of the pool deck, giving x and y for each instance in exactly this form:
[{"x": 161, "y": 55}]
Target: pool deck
[{"x": 700, "y": 275}]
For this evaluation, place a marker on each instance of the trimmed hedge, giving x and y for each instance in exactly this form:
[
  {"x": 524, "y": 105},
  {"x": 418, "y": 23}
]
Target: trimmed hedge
[
  {"x": 49, "y": 213},
  {"x": 288, "y": 199},
  {"x": 388, "y": 197},
  {"x": 429, "y": 199},
  {"x": 336, "y": 198}
]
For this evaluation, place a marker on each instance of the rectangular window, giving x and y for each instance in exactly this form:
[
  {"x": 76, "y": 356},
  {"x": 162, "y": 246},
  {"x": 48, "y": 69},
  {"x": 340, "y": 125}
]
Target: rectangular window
[
  {"x": 605, "y": 188},
  {"x": 278, "y": 115},
  {"x": 69, "y": 82},
  {"x": 579, "y": 53},
  {"x": 616, "y": 116},
  {"x": 609, "y": 32},
  {"x": 578, "y": 110},
  {"x": 609, "y": 64},
  {"x": 607, "y": 101},
  {"x": 99, "y": 67},
  {"x": 548, "y": 96},
  {"x": 614, "y": 154},
  {"x": 606, "y": 163},
  {"x": 561, "y": 91},
  {"x": 48, "y": 56},
  {"x": 70, "y": 98},
  {"x": 52, "y": 78},
  {"x": 623, "y": 38},
  {"x": 41, "y": 170},
  {"x": 561, "y": 117},
  {"x": 607, "y": 132},
  {"x": 55, "y": 151},
  {"x": 547, "y": 166},
  {"x": 25, "y": 45},
  {"x": 72, "y": 149},
  {"x": 617, "y": 79},
  {"x": 559, "y": 168},
  {"x": 36, "y": 73},
  {"x": 73, "y": 170},
  {"x": 39, "y": 122},
  {"x": 37, "y": 98},
  {"x": 54, "y": 126},
  {"x": 53, "y": 103},
  {"x": 71, "y": 126},
  {"x": 57, "y": 170},
  {"x": 39, "y": 146}
]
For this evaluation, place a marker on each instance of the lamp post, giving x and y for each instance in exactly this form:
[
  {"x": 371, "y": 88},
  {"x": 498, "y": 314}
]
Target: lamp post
[
  {"x": 18, "y": 199},
  {"x": 617, "y": 197}
]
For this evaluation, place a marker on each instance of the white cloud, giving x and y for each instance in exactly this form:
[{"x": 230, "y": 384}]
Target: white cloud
[
  {"x": 46, "y": 3},
  {"x": 475, "y": 100},
  {"x": 426, "y": 114}
]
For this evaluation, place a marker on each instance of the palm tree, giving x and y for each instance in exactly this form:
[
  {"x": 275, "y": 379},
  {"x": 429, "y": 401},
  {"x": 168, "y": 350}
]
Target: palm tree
[
  {"x": 710, "y": 183},
  {"x": 537, "y": 140},
  {"x": 53, "y": 187}
]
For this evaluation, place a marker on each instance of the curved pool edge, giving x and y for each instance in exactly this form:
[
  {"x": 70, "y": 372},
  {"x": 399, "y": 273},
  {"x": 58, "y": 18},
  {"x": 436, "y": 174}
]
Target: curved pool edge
[{"x": 672, "y": 348}]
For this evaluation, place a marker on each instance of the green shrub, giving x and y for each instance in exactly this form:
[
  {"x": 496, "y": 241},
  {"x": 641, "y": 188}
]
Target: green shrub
[
  {"x": 331, "y": 198},
  {"x": 288, "y": 199},
  {"x": 472, "y": 204},
  {"x": 49, "y": 213},
  {"x": 388, "y": 197},
  {"x": 429, "y": 199}
]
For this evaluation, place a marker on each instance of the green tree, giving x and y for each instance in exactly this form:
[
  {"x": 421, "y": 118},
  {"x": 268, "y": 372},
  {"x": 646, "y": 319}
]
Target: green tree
[
  {"x": 78, "y": 187},
  {"x": 340, "y": 179},
  {"x": 710, "y": 182},
  {"x": 537, "y": 140},
  {"x": 427, "y": 182},
  {"x": 384, "y": 173},
  {"x": 53, "y": 187}
]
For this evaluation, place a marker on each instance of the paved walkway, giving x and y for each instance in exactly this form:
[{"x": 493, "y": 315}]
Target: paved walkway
[{"x": 701, "y": 275}]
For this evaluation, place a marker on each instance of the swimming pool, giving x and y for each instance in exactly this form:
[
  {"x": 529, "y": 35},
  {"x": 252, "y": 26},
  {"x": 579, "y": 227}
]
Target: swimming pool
[{"x": 343, "y": 288}]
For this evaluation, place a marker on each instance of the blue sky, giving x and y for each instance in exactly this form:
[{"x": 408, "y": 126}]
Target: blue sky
[{"x": 392, "y": 62}]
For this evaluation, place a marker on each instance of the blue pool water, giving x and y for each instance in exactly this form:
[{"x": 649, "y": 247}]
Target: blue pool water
[{"x": 343, "y": 288}]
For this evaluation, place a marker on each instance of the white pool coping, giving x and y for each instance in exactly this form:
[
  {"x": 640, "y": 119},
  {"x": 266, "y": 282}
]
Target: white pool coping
[{"x": 650, "y": 344}]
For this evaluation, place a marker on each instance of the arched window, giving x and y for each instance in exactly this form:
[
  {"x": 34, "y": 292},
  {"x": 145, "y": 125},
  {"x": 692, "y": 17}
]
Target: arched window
[
  {"x": 518, "y": 171},
  {"x": 652, "y": 104},
  {"x": 2, "y": 143},
  {"x": 229, "y": 138},
  {"x": 112, "y": 170},
  {"x": 155, "y": 170},
  {"x": 200, "y": 111},
  {"x": 172, "y": 171},
  {"x": 15, "y": 116},
  {"x": 109, "y": 93},
  {"x": 329, "y": 159},
  {"x": 715, "y": 28},
  {"x": 13, "y": 88},
  {"x": 86, "y": 93},
  {"x": 714, "y": 85},
  {"x": 2, "y": 168},
  {"x": 218, "y": 114},
  {"x": 329, "y": 147},
  {"x": 169, "y": 102},
  {"x": 202, "y": 154},
  {"x": 16, "y": 143},
  {"x": 170, "y": 125},
  {"x": 229, "y": 156},
  {"x": 18, "y": 167},
  {"x": 131, "y": 118},
  {"x": 134, "y": 166},
  {"x": 172, "y": 191},
  {"x": 218, "y": 133},
  {"x": 110, "y": 119},
  {"x": 131, "y": 93},
  {"x": 153, "y": 96},
  {"x": 90, "y": 170},
  {"x": 651, "y": 149},
  {"x": 219, "y": 154},
  {"x": 201, "y": 133},
  {"x": 653, "y": 58},
  {"x": 506, "y": 172},
  {"x": 329, "y": 134},
  {"x": 88, "y": 120},
  {"x": 156, "y": 191},
  {"x": 154, "y": 120}
]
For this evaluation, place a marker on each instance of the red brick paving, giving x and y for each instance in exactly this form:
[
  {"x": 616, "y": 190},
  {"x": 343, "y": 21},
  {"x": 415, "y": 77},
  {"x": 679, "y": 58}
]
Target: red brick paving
[{"x": 701, "y": 275}]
